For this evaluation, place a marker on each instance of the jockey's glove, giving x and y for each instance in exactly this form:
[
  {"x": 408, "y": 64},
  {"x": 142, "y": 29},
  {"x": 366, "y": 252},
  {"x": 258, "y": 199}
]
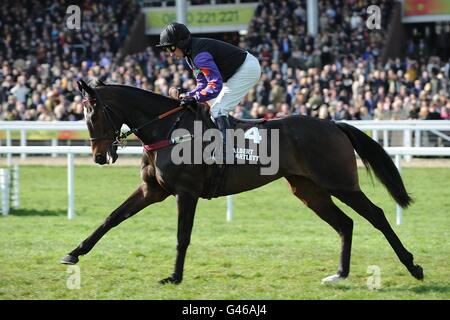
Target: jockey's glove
[{"x": 188, "y": 101}]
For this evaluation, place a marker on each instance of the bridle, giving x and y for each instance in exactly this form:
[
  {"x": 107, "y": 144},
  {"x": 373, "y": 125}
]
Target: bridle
[
  {"x": 119, "y": 138},
  {"x": 108, "y": 112}
]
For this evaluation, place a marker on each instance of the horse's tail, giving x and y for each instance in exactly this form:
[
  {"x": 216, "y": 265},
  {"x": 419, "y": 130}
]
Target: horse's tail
[{"x": 374, "y": 157}]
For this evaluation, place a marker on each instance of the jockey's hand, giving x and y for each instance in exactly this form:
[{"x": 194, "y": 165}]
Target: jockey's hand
[
  {"x": 174, "y": 93},
  {"x": 188, "y": 101}
]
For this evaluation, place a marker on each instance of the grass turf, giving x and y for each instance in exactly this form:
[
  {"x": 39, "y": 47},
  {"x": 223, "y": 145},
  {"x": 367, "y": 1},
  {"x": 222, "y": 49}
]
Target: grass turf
[{"x": 275, "y": 248}]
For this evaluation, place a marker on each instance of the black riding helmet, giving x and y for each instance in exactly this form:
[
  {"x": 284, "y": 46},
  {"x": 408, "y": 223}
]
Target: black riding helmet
[{"x": 175, "y": 34}]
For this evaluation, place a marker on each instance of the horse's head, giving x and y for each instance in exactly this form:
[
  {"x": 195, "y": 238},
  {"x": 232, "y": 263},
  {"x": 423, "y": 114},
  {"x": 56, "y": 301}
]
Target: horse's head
[{"x": 103, "y": 124}]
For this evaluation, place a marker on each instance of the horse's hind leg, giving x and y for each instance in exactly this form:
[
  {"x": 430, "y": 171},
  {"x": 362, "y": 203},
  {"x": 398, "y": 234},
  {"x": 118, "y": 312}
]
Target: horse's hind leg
[
  {"x": 361, "y": 204},
  {"x": 145, "y": 195},
  {"x": 319, "y": 200}
]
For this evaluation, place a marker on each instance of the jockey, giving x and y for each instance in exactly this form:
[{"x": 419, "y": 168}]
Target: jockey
[{"x": 224, "y": 72}]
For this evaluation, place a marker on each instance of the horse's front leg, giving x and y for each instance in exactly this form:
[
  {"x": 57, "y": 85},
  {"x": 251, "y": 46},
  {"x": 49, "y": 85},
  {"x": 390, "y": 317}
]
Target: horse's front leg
[
  {"x": 186, "y": 211},
  {"x": 145, "y": 195}
]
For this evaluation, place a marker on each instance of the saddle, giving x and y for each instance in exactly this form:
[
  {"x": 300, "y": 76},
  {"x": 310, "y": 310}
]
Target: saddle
[
  {"x": 218, "y": 172},
  {"x": 235, "y": 123}
]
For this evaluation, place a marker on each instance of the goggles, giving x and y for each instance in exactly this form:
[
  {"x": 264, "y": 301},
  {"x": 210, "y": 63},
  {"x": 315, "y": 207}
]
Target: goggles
[{"x": 170, "y": 49}]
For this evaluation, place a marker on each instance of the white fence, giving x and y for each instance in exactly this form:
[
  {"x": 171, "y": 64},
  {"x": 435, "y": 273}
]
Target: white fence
[
  {"x": 379, "y": 130},
  {"x": 412, "y": 129},
  {"x": 9, "y": 189},
  {"x": 4, "y": 190},
  {"x": 25, "y": 126},
  {"x": 72, "y": 151}
]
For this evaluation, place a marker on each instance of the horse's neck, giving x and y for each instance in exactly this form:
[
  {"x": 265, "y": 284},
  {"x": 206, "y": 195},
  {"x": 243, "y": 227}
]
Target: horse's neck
[
  {"x": 148, "y": 103},
  {"x": 145, "y": 107},
  {"x": 139, "y": 109}
]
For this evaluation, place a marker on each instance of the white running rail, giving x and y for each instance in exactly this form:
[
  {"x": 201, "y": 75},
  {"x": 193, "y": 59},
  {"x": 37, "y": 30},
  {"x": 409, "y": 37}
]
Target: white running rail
[{"x": 71, "y": 151}]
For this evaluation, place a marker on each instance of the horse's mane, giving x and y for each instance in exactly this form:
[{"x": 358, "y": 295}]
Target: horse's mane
[
  {"x": 98, "y": 84},
  {"x": 95, "y": 83},
  {"x": 202, "y": 112}
]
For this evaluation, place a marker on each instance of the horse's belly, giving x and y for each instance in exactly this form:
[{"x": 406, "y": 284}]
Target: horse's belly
[{"x": 240, "y": 178}]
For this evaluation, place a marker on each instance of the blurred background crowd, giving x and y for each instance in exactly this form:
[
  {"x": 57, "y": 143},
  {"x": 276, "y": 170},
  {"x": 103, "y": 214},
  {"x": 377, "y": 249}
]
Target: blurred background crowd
[{"x": 337, "y": 74}]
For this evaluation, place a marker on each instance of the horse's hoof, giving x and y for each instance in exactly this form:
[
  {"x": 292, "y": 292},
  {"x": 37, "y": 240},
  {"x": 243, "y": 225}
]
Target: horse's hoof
[
  {"x": 69, "y": 259},
  {"x": 332, "y": 279},
  {"x": 417, "y": 272},
  {"x": 170, "y": 280}
]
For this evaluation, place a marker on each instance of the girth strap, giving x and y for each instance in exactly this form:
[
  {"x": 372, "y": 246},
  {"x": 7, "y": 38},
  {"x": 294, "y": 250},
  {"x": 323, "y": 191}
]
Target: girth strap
[{"x": 167, "y": 143}]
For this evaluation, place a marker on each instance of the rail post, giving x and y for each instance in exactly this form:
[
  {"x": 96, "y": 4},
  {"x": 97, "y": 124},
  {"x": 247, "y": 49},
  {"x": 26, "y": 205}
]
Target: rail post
[{"x": 70, "y": 186}]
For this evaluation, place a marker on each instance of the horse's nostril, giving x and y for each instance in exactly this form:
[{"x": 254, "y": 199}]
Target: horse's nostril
[{"x": 99, "y": 158}]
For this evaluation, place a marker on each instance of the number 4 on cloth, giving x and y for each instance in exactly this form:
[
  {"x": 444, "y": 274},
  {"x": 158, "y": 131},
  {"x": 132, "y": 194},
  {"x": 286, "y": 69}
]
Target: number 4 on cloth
[{"x": 253, "y": 134}]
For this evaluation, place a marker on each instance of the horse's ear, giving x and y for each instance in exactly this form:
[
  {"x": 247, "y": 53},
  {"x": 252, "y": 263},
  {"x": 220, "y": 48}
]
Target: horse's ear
[
  {"x": 86, "y": 87},
  {"x": 80, "y": 87}
]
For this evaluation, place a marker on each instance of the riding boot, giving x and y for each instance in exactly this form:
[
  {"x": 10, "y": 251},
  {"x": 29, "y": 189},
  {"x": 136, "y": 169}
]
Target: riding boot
[{"x": 223, "y": 124}]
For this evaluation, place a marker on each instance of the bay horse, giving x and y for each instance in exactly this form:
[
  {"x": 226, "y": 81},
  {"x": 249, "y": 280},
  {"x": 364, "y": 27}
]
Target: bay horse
[{"x": 315, "y": 156}]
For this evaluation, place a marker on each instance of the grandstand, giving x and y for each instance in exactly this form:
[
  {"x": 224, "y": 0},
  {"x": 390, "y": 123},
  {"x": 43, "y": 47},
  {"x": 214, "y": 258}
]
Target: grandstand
[{"x": 345, "y": 71}]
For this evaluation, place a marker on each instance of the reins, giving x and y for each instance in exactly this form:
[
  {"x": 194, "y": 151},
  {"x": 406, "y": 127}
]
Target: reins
[{"x": 120, "y": 138}]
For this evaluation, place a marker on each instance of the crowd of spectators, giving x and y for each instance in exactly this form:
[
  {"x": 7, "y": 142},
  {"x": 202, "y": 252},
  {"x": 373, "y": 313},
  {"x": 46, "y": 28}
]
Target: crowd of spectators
[
  {"x": 41, "y": 57},
  {"x": 336, "y": 75}
]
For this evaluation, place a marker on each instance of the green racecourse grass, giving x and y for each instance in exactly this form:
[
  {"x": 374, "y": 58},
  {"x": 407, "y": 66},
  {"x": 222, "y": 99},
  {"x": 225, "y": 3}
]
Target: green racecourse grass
[{"x": 274, "y": 248}]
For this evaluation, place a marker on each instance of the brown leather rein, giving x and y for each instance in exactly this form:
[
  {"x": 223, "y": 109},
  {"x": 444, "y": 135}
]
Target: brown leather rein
[{"x": 120, "y": 138}]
